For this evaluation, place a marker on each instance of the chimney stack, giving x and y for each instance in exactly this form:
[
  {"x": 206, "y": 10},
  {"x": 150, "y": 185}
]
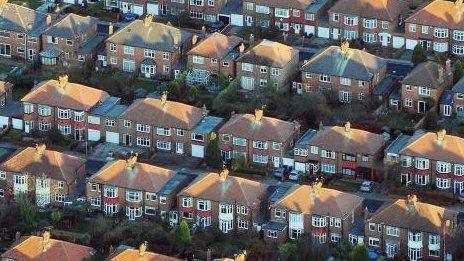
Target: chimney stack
[
  {"x": 241, "y": 48},
  {"x": 130, "y": 162},
  {"x": 194, "y": 39},
  {"x": 45, "y": 240},
  {"x": 321, "y": 125},
  {"x": 110, "y": 28},
  {"x": 143, "y": 248},
  {"x": 40, "y": 148},
  {"x": 259, "y": 114},
  {"x": 347, "y": 126},
  {"x": 252, "y": 39},
  {"x": 48, "y": 20},
  {"x": 147, "y": 20},
  {"x": 62, "y": 81},
  {"x": 223, "y": 174},
  {"x": 458, "y": 3},
  {"x": 345, "y": 47},
  {"x": 412, "y": 200},
  {"x": 441, "y": 135},
  {"x": 164, "y": 98}
]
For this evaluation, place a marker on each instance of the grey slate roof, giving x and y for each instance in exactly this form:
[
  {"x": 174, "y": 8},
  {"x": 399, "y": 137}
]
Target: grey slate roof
[
  {"x": 207, "y": 124},
  {"x": 398, "y": 144},
  {"x": 91, "y": 44},
  {"x": 19, "y": 18},
  {"x": 71, "y": 26},
  {"x": 156, "y": 36},
  {"x": 303, "y": 141},
  {"x": 446, "y": 97},
  {"x": 459, "y": 86},
  {"x": 356, "y": 64},
  {"x": 425, "y": 74}
]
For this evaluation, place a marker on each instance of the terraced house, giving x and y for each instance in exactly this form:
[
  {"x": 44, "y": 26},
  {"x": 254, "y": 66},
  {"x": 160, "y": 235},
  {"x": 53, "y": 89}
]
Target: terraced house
[
  {"x": 298, "y": 17},
  {"x": 212, "y": 58},
  {"x": 267, "y": 64},
  {"x": 455, "y": 106},
  {"x": 60, "y": 104},
  {"x": 422, "y": 88},
  {"x": 124, "y": 253},
  {"x": 411, "y": 230},
  {"x": 373, "y": 21},
  {"x": 325, "y": 215},
  {"x": 341, "y": 150},
  {"x": 46, "y": 248},
  {"x": 256, "y": 139},
  {"x": 438, "y": 26},
  {"x": 170, "y": 126},
  {"x": 136, "y": 189},
  {"x": 46, "y": 176},
  {"x": 148, "y": 49},
  {"x": 20, "y": 31},
  {"x": 216, "y": 199},
  {"x": 429, "y": 158},
  {"x": 73, "y": 39},
  {"x": 351, "y": 73}
]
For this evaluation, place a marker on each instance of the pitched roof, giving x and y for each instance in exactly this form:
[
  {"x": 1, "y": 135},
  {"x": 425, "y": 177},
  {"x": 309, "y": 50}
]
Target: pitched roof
[
  {"x": 19, "y": 18},
  {"x": 171, "y": 114},
  {"x": 421, "y": 217},
  {"x": 4, "y": 86},
  {"x": 141, "y": 176},
  {"x": 295, "y": 4},
  {"x": 269, "y": 53},
  {"x": 31, "y": 248},
  {"x": 354, "y": 141},
  {"x": 72, "y": 95},
  {"x": 267, "y": 129},
  {"x": 427, "y": 145},
  {"x": 51, "y": 164},
  {"x": 388, "y": 10},
  {"x": 216, "y": 45},
  {"x": 440, "y": 13},
  {"x": 210, "y": 186},
  {"x": 72, "y": 26},
  {"x": 355, "y": 64},
  {"x": 426, "y": 74},
  {"x": 156, "y": 36},
  {"x": 305, "y": 199},
  {"x": 133, "y": 254},
  {"x": 459, "y": 86}
]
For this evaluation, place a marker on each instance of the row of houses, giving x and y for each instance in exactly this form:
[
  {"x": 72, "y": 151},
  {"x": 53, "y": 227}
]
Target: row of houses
[
  {"x": 232, "y": 204},
  {"x": 392, "y": 23}
]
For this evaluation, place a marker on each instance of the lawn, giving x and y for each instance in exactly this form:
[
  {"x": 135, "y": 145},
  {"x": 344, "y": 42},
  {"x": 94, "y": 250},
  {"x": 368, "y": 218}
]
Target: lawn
[
  {"x": 33, "y": 4},
  {"x": 146, "y": 84},
  {"x": 347, "y": 185}
]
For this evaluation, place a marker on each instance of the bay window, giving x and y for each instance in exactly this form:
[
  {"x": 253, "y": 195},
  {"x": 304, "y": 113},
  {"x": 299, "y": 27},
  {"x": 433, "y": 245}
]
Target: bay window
[{"x": 443, "y": 167}]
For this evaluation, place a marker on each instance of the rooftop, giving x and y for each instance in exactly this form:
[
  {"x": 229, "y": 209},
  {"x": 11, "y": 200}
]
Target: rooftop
[
  {"x": 440, "y": 13},
  {"x": 207, "y": 124},
  {"x": 72, "y": 26},
  {"x": 269, "y": 53},
  {"x": 387, "y": 10}
]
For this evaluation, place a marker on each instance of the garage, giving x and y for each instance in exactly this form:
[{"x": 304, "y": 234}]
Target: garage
[
  {"x": 152, "y": 9},
  {"x": 17, "y": 124},
  {"x": 198, "y": 151},
  {"x": 138, "y": 9},
  {"x": 4, "y": 121},
  {"x": 300, "y": 166},
  {"x": 323, "y": 32},
  {"x": 93, "y": 135},
  {"x": 112, "y": 137},
  {"x": 309, "y": 29},
  {"x": 236, "y": 19},
  {"x": 410, "y": 44},
  {"x": 398, "y": 42}
]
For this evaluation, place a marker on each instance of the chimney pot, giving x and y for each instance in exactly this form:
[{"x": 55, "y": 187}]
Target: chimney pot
[
  {"x": 48, "y": 20},
  {"x": 40, "y": 148},
  {"x": 130, "y": 162},
  {"x": 62, "y": 81},
  {"x": 164, "y": 98},
  {"x": 241, "y": 48},
  {"x": 110, "y": 28},
  {"x": 147, "y": 20},
  {"x": 441, "y": 135},
  {"x": 194, "y": 39},
  {"x": 143, "y": 248},
  {"x": 223, "y": 174},
  {"x": 347, "y": 126},
  {"x": 258, "y": 114}
]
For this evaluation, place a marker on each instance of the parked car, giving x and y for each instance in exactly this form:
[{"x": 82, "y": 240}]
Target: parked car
[
  {"x": 295, "y": 175},
  {"x": 366, "y": 186},
  {"x": 215, "y": 27},
  {"x": 280, "y": 172},
  {"x": 129, "y": 17}
]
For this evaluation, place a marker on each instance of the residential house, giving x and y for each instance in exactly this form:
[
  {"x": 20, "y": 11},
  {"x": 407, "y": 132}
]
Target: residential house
[
  {"x": 170, "y": 126},
  {"x": 227, "y": 202},
  {"x": 422, "y": 88},
  {"x": 452, "y": 101},
  {"x": 267, "y": 64},
  {"x": 437, "y": 26},
  {"x": 124, "y": 253},
  {"x": 147, "y": 48},
  {"x": 73, "y": 39},
  {"x": 136, "y": 189},
  {"x": 351, "y": 73},
  {"x": 212, "y": 58},
  {"x": 46, "y": 248},
  {"x": 373, "y": 21},
  {"x": 298, "y": 17},
  {"x": 202, "y": 10},
  {"x": 411, "y": 229},
  {"x": 339, "y": 150},
  {"x": 20, "y": 30},
  {"x": 430, "y": 158},
  {"x": 47, "y": 176},
  {"x": 6, "y": 93},
  {"x": 325, "y": 215},
  {"x": 60, "y": 104},
  {"x": 103, "y": 121},
  {"x": 256, "y": 139}
]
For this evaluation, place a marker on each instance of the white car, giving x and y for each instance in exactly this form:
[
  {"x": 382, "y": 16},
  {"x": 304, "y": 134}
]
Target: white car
[{"x": 366, "y": 186}]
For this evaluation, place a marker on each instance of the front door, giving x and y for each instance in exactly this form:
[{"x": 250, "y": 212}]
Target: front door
[
  {"x": 180, "y": 148},
  {"x": 249, "y": 20},
  {"x": 405, "y": 179},
  {"x": 421, "y": 107},
  {"x": 31, "y": 54},
  {"x": 458, "y": 187},
  {"x": 127, "y": 139},
  {"x": 297, "y": 28}
]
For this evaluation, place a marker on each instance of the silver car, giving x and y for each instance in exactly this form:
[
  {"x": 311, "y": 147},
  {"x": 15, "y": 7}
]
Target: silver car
[
  {"x": 295, "y": 175},
  {"x": 366, "y": 186}
]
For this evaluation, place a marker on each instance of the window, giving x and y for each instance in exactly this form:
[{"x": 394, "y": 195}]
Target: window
[
  {"x": 415, "y": 237},
  {"x": 424, "y": 91},
  {"x": 458, "y": 49},
  {"x": 422, "y": 180},
  {"x": 187, "y": 202},
  {"x": 127, "y": 123},
  {"x": 204, "y": 205},
  {"x": 408, "y": 103},
  {"x": 370, "y": 23},
  {"x": 275, "y": 71},
  {"x": 151, "y": 211},
  {"x": 2, "y": 175},
  {"x": 272, "y": 233},
  {"x": 324, "y": 78},
  {"x": 64, "y": 114},
  {"x": 443, "y": 167},
  {"x": 44, "y": 110},
  {"x": 296, "y": 13},
  {"x": 213, "y": 60},
  {"x": 458, "y": 170},
  {"x": 133, "y": 196},
  {"x": 280, "y": 213},
  {"x": 197, "y": 136},
  {"x": 242, "y": 224},
  {"x": 163, "y": 200},
  {"x": 260, "y": 159},
  {"x": 150, "y": 196},
  {"x": 314, "y": 150},
  {"x": 320, "y": 238},
  {"x": 128, "y": 50},
  {"x": 328, "y": 168},
  {"x": 458, "y": 35},
  {"x": 95, "y": 187},
  {"x": 263, "y": 69},
  {"x": 328, "y": 154},
  {"x": 242, "y": 210},
  {"x": 443, "y": 183},
  {"x": 440, "y": 47},
  {"x": 351, "y": 20},
  {"x": 318, "y": 221},
  {"x": 128, "y": 65},
  {"x": 110, "y": 123},
  {"x": 143, "y": 128},
  {"x": 111, "y": 192},
  {"x": 149, "y": 53},
  {"x": 262, "y": 145},
  {"x": 69, "y": 42},
  {"x": 345, "y": 81},
  {"x": 335, "y": 17},
  {"x": 59, "y": 197},
  {"x": 196, "y": 2},
  {"x": 425, "y": 29},
  {"x": 163, "y": 145},
  {"x": 372, "y": 226},
  {"x": 113, "y": 60},
  {"x": 422, "y": 163},
  {"x": 144, "y": 142},
  {"x": 60, "y": 184},
  {"x": 96, "y": 202},
  {"x": 440, "y": 32},
  {"x": 239, "y": 141},
  {"x": 112, "y": 47},
  {"x": 198, "y": 59},
  {"x": 261, "y": 9},
  {"x": 225, "y": 208},
  {"x": 309, "y": 16},
  {"x": 434, "y": 239},
  {"x": 393, "y": 231},
  {"x": 249, "y": 6},
  {"x": 78, "y": 116},
  {"x": 435, "y": 253},
  {"x": 412, "y": 28},
  {"x": 281, "y": 12},
  {"x": 163, "y": 131},
  {"x": 64, "y": 129},
  {"x": 385, "y": 25},
  {"x": 334, "y": 237},
  {"x": 247, "y": 67},
  {"x": 369, "y": 38},
  {"x": 375, "y": 242}
]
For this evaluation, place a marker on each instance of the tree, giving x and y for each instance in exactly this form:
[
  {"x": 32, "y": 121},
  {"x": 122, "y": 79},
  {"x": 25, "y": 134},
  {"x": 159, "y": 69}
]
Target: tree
[
  {"x": 360, "y": 253},
  {"x": 458, "y": 71},
  {"x": 27, "y": 211},
  {"x": 213, "y": 152},
  {"x": 182, "y": 235},
  {"x": 343, "y": 250},
  {"x": 418, "y": 55},
  {"x": 288, "y": 251},
  {"x": 192, "y": 93},
  {"x": 56, "y": 216},
  {"x": 54, "y": 136}
]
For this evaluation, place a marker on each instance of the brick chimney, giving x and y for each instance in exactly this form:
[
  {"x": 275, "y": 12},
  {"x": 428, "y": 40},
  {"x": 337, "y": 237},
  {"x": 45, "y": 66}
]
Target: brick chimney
[
  {"x": 130, "y": 162},
  {"x": 223, "y": 174},
  {"x": 441, "y": 135},
  {"x": 147, "y": 20},
  {"x": 347, "y": 126},
  {"x": 48, "y": 20},
  {"x": 164, "y": 98},
  {"x": 110, "y": 28},
  {"x": 259, "y": 114}
]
